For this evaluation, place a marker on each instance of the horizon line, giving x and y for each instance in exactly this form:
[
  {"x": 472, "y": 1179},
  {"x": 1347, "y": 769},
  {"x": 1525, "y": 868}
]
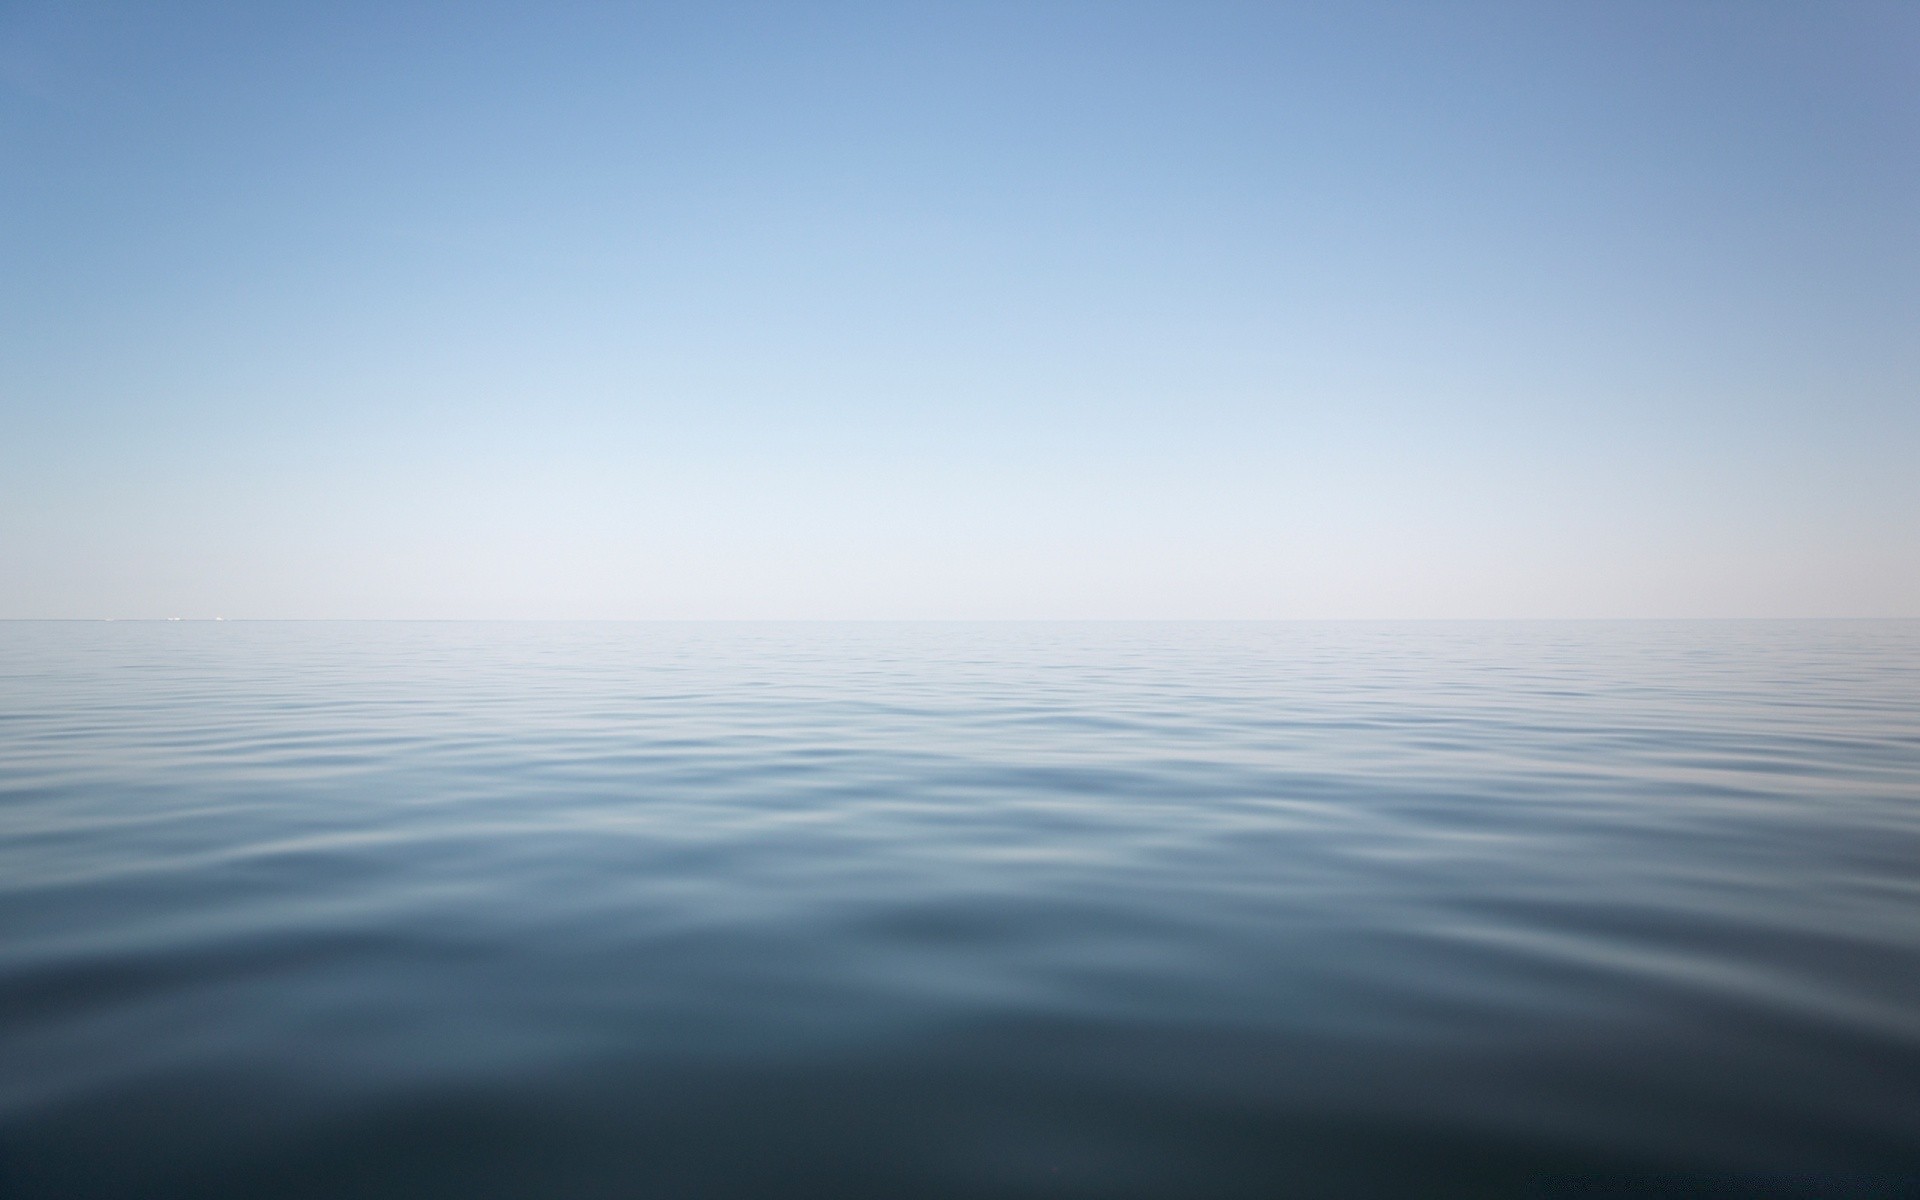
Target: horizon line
[{"x": 941, "y": 620}]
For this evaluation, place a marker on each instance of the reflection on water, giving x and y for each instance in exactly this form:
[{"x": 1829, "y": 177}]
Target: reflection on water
[{"x": 467, "y": 910}]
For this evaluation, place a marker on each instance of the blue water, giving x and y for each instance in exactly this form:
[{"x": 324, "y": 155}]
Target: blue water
[{"x": 997, "y": 910}]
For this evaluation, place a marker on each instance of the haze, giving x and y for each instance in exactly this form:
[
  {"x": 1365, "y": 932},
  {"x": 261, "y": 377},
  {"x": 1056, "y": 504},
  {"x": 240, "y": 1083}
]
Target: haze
[{"x": 959, "y": 310}]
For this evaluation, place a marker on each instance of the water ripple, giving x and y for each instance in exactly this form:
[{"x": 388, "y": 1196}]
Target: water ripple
[{"x": 959, "y": 910}]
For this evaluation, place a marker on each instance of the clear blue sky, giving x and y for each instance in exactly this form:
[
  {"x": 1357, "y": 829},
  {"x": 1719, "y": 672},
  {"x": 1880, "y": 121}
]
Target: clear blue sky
[{"x": 959, "y": 310}]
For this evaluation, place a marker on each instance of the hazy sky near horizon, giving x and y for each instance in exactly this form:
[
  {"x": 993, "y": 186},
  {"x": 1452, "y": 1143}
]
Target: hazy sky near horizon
[{"x": 960, "y": 309}]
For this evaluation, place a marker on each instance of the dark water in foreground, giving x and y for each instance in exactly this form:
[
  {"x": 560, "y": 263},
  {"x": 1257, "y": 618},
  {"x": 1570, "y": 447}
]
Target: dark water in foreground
[{"x": 394, "y": 910}]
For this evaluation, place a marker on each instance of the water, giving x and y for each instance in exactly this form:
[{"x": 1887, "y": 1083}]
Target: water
[{"x": 424, "y": 910}]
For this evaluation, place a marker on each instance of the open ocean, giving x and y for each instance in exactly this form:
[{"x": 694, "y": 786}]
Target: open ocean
[{"x": 959, "y": 910}]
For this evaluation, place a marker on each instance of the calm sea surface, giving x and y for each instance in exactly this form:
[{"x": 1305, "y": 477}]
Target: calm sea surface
[{"x": 608, "y": 910}]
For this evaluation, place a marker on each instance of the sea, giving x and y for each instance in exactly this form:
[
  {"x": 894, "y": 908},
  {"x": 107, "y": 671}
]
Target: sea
[{"x": 925, "y": 910}]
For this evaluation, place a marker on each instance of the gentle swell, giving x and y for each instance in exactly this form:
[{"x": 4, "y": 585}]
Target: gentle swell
[{"x": 371, "y": 910}]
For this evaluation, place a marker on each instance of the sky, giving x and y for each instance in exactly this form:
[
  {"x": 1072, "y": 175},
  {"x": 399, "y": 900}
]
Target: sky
[{"x": 960, "y": 310}]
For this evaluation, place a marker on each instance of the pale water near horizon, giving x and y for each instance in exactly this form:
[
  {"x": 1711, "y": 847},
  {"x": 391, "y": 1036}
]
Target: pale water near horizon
[{"x": 994, "y": 910}]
